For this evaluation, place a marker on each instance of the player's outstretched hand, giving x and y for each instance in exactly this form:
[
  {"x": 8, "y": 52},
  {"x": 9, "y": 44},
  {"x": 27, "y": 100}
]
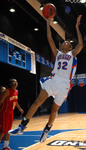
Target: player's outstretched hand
[{"x": 78, "y": 20}]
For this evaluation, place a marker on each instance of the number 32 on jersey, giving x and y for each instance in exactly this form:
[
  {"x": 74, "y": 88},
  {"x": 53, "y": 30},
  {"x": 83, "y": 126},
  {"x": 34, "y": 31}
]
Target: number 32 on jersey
[{"x": 62, "y": 65}]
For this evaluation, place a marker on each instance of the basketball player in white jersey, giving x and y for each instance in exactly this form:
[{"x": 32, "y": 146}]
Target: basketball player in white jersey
[{"x": 59, "y": 84}]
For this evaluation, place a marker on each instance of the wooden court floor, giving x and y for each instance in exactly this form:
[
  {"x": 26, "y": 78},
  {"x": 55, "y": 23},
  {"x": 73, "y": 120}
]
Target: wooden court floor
[{"x": 73, "y": 137}]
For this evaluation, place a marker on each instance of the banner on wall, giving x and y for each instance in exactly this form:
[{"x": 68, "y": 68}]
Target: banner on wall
[
  {"x": 79, "y": 79},
  {"x": 44, "y": 61}
]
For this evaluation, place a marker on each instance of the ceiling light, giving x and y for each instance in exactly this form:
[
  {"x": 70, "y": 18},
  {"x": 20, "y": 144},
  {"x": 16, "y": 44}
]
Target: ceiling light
[
  {"x": 55, "y": 22},
  {"x": 71, "y": 41},
  {"x": 83, "y": 1},
  {"x": 36, "y": 29},
  {"x": 12, "y": 10}
]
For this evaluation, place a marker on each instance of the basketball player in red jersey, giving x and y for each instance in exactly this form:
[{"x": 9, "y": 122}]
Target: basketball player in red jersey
[{"x": 8, "y": 101}]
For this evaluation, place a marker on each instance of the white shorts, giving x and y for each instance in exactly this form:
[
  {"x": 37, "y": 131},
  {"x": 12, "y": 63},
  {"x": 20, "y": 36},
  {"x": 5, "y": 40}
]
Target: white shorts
[{"x": 57, "y": 87}]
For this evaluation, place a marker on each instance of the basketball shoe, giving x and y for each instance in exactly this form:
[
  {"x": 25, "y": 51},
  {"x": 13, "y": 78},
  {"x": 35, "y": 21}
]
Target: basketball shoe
[
  {"x": 45, "y": 133},
  {"x": 17, "y": 131}
]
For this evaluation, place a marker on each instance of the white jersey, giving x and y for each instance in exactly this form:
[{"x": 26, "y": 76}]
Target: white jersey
[
  {"x": 58, "y": 85},
  {"x": 65, "y": 65}
]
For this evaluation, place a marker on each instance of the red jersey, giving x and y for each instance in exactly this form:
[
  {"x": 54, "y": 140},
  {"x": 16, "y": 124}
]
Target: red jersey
[
  {"x": 10, "y": 102},
  {"x": 6, "y": 111}
]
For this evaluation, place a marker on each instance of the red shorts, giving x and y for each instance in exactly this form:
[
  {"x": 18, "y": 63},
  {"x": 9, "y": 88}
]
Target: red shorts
[{"x": 6, "y": 120}]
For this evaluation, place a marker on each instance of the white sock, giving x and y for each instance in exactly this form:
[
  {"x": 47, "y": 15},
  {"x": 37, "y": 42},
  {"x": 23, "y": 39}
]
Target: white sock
[{"x": 6, "y": 143}]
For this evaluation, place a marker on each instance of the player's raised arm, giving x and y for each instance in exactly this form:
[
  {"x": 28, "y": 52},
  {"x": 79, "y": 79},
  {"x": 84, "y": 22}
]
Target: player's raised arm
[
  {"x": 50, "y": 39},
  {"x": 79, "y": 47}
]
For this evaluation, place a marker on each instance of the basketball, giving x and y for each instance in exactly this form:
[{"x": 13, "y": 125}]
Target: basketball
[{"x": 49, "y": 11}]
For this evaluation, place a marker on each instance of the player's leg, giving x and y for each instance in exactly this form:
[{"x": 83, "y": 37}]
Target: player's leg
[
  {"x": 1, "y": 136},
  {"x": 8, "y": 126},
  {"x": 5, "y": 121},
  {"x": 59, "y": 98},
  {"x": 52, "y": 117},
  {"x": 3, "y": 124},
  {"x": 53, "y": 114},
  {"x": 6, "y": 142},
  {"x": 41, "y": 98}
]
